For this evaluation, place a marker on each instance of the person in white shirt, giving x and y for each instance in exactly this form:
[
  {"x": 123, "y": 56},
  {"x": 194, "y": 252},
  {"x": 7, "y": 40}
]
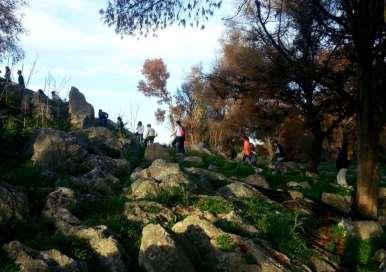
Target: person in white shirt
[
  {"x": 179, "y": 140},
  {"x": 150, "y": 135},
  {"x": 139, "y": 131}
]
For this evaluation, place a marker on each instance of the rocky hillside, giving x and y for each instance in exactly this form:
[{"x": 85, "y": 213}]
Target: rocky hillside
[{"x": 85, "y": 198}]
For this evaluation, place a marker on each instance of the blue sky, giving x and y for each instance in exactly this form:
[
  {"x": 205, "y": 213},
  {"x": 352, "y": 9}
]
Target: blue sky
[{"x": 72, "y": 43}]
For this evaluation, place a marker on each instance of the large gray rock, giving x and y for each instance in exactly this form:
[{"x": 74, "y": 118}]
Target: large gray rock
[
  {"x": 110, "y": 254},
  {"x": 160, "y": 176},
  {"x": 57, "y": 151},
  {"x": 257, "y": 181},
  {"x": 148, "y": 211},
  {"x": 200, "y": 235},
  {"x": 145, "y": 189},
  {"x": 80, "y": 111},
  {"x": 30, "y": 260},
  {"x": 367, "y": 229},
  {"x": 159, "y": 252},
  {"x": 238, "y": 190},
  {"x": 103, "y": 141},
  {"x": 13, "y": 204},
  {"x": 339, "y": 202}
]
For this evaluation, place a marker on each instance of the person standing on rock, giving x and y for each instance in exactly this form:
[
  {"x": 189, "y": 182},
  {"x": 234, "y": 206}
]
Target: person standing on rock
[
  {"x": 120, "y": 124},
  {"x": 342, "y": 164},
  {"x": 7, "y": 74},
  {"x": 179, "y": 138},
  {"x": 246, "y": 149},
  {"x": 103, "y": 117},
  {"x": 20, "y": 79},
  {"x": 279, "y": 155},
  {"x": 139, "y": 132},
  {"x": 150, "y": 135}
]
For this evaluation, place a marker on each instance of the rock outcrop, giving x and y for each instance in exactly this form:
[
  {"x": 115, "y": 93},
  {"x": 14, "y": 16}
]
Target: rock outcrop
[
  {"x": 56, "y": 150},
  {"x": 109, "y": 253},
  {"x": 30, "y": 260},
  {"x": 80, "y": 111},
  {"x": 159, "y": 252},
  {"x": 160, "y": 176},
  {"x": 339, "y": 202},
  {"x": 238, "y": 190},
  {"x": 201, "y": 237}
]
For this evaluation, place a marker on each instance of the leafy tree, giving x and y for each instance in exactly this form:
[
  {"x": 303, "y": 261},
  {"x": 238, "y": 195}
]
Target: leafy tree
[
  {"x": 361, "y": 24},
  {"x": 133, "y": 17},
  {"x": 10, "y": 29}
]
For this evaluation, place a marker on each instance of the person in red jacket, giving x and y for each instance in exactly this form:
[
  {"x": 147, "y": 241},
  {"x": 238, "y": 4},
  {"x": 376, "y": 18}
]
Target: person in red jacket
[{"x": 246, "y": 149}]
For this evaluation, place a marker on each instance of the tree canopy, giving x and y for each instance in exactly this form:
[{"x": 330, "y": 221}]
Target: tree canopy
[
  {"x": 10, "y": 29},
  {"x": 139, "y": 17}
]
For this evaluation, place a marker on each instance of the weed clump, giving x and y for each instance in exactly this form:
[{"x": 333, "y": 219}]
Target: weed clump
[
  {"x": 214, "y": 205},
  {"x": 225, "y": 243}
]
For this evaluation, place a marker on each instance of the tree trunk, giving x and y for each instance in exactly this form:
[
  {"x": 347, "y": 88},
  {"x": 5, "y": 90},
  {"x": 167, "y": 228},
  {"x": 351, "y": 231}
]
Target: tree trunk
[
  {"x": 317, "y": 146},
  {"x": 367, "y": 179}
]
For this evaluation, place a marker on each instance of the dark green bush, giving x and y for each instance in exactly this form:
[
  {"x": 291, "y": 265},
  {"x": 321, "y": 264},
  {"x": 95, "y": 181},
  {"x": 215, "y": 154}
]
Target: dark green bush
[{"x": 214, "y": 205}]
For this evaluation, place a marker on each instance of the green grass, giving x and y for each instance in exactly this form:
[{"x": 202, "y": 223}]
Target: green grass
[
  {"x": 359, "y": 253},
  {"x": 214, "y": 205},
  {"x": 173, "y": 196},
  {"x": 225, "y": 243},
  {"x": 283, "y": 228},
  {"x": 232, "y": 227}
]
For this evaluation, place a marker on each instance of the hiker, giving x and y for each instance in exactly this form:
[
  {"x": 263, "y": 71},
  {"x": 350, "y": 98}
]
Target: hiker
[
  {"x": 150, "y": 135},
  {"x": 7, "y": 75},
  {"x": 20, "y": 79},
  {"x": 246, "y": 149},
  {"x": 120, "y": 124},
  {"x": 103, "y": 117},
  {"x": 54, "y": 96},
  {"x": 139, "y": 132},
  {"x": 342, "y": 164},
  {"x": 179, "y": 138},
  {"x": 253, "y": 156},
  {"x": 279, "y": 155}
]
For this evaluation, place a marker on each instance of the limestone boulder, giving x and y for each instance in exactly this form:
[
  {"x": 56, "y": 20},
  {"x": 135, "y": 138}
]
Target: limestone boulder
[
  {"x": 339, "y": 202},
  {"x": 116, "y": 167},
  {"x": 148, "y": 211},
  {"x": 207, "y": 179},
  {"x": 13, "y": 204},
  {"x": 159, "y": 252},
  {"x": 367, "y": 229},
  {"x": 144, "y": 189},
  {"x": 257, "y": 180},
  {"x": 57, "y": 151},
  {"x": 30, "y": 260},
  {"x": 201, "y": 240},
  {"x": 238, "y": 190},
  {"x": 107, "y": 249},
  {"x": 81, "y": 112}
]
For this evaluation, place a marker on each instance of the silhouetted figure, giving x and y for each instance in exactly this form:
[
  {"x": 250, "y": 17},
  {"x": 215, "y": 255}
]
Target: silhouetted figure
[
  {"x": 139, "y": 132},
  {"x": 150, "y": 135},
  {"x": 342, "y": 164},
  {"x": 120, "y": 124},
  {"x": 103, "y": 117},
  {"x": 20, "y": 79},
  {"x": 179, "y": 140},
  {"x": 54, "y": 96},
  {"x": 7, "y": 75},
  {"x": 279, "y": 155}
]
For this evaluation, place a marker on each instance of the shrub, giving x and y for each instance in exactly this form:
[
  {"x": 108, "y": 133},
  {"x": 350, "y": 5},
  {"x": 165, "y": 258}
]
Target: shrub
[
  {"x": 214, "y": 205},
  {"x": 225, "y": 243}
]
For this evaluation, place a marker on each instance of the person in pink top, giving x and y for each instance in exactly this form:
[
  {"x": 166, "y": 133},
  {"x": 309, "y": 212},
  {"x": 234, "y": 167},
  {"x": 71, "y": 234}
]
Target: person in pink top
[{"x": 179, "y": 138}]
